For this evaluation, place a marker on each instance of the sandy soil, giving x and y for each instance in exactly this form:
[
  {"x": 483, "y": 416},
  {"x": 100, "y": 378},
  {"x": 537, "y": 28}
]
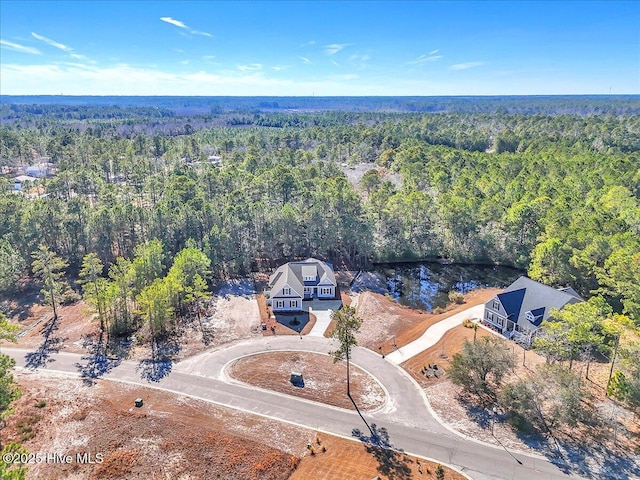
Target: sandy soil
[
  {"x": 232, "y": 314},
  {"x": 169, "y": 437},
  {"x": 177, "y": 437},
  {"x": 272, "y": 371},
  {"x": 387, "y": 324}
]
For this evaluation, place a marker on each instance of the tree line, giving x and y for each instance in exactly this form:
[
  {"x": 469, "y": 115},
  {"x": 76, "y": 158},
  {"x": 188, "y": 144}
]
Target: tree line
[{"x": 557, "y": 195}]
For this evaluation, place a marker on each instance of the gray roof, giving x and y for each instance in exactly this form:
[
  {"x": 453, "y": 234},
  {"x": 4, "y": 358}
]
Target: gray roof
[
  {"x": 292, "y": 273},
  {"x": 526, "y": 295}
]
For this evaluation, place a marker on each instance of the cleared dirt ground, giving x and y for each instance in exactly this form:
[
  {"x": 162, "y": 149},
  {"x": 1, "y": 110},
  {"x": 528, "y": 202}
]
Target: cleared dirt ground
[
  {"x": 324, "y": 381},
  {"x": 385, "y": 322},
  {"x": 178, "y": 437},
  {"x": 171, "y": 436},
  {"x": 232, "y": 314}
]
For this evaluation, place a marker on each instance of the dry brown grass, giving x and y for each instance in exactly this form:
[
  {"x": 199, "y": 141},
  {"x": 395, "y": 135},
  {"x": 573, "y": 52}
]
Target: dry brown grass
[
  {"x": 325, "y": 381},
  {"x": 347, "y": 460}
]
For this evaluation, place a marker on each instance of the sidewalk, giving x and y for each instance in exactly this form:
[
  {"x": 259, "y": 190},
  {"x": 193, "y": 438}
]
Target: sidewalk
[{"x": 433, "y": 334}]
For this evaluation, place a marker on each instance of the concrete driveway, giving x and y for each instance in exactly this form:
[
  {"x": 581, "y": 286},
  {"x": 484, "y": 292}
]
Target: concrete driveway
[
  {"x": 322, "y": 309},
  {"x": 433, "y": 334}
]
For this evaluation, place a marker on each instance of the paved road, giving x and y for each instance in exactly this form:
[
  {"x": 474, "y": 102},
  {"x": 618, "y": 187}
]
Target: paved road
[
  {"x": 434, "y": 333},
  {"x": 406, "y": 418}
]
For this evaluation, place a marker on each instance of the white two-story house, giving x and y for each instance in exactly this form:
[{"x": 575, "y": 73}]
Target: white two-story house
[{"x": 294, "y": 282}]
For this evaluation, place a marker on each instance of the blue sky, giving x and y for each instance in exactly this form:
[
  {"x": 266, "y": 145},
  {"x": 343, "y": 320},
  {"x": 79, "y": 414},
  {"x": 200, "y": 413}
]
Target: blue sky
[{"x": 319, "y": 48}]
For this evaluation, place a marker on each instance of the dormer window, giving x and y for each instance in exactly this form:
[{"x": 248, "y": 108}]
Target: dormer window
[
  {"x": 530, "y": 317},
  {"x": 309, "y": 279},
  {"x": 286, "y": 291},
  {"x": 496, "y": 304}
]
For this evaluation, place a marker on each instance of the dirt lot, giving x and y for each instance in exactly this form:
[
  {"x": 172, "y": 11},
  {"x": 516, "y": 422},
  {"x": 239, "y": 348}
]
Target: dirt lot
[
  {"x": 169, "y": 437},
  {"x": 386, "y": 322},
  {"x": 174, "y": 436},
  {"x": 344, "y": 460},
  {"x": 232, "y": 314},
  {"x": 272, "y": 372}
]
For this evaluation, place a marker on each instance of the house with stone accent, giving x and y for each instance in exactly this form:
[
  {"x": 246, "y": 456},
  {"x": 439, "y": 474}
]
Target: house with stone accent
[
  {"x": 294, "y": 282},
  {"x": 519, "y": 310}
]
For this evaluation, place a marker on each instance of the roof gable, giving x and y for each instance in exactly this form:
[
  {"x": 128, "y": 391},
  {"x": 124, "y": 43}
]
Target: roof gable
[
  {"x": 293, "y": 274},
  {"x": 538, "y": 299},
  {"x": 512, "y": 302}
]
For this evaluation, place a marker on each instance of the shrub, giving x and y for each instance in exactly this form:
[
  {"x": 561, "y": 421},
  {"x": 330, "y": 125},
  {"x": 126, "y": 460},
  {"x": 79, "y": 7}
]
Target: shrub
[
  {"x": 440, "y": 472},
  {"x": 41, "y": 404},
  {"x": 468, "y": 323},
  {"x": 456, "y": 297}
]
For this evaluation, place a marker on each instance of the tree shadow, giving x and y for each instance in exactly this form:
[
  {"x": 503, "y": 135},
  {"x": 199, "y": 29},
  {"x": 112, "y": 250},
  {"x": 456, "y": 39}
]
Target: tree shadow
[
  {"x": 573, "y": 456},
  {"x": 102, "y": 358},
  {"x": 595, "y": 461},
  {"x": 163, "y": 353},
  {"x": 391, "y": 462},
  {"x": 42, "y": 356},
  {"x": 479, "y": 415}
]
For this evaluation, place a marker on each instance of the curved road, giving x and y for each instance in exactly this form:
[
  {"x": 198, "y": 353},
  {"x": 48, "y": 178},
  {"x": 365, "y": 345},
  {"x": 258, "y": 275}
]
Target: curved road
[{"x": 406, "y": 416}]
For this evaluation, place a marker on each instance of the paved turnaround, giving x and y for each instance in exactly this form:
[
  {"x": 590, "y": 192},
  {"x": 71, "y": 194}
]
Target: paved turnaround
[{"x": 406, "y": 416}]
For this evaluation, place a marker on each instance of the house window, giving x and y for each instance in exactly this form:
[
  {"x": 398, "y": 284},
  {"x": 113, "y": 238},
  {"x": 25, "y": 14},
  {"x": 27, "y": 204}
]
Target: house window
[
  {"x": 309, "y": 279},
  {"x": 530, "y": 317},
  {"x": 286, "y": 291},
  {"x": 293, "y": 303},
  {"x": 279, "y": 304},
  {"x": 496, "y": 304}
]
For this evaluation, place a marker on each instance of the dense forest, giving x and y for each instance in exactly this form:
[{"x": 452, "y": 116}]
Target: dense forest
[{"x": 550, "y": 185}]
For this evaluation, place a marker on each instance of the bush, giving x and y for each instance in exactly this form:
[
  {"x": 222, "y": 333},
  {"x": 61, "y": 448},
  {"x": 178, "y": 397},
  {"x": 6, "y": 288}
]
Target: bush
[
  {"x": 456, "y": 297},
  {"x": 440, "y": 472},
  {"x": 41, "y": 404},
  {"x": 468, "y": 323},
  {"x": 69, "y": 296}
]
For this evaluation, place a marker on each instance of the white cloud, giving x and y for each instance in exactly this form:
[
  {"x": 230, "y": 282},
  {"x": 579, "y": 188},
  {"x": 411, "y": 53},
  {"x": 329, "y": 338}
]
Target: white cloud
[
  {"x": 424, "y": 59},
  {"x": 19, "y": 48},
  {"x": 208, "y": 57},
  {"x": 53, "y": 43},
  {"x": 308, "y": 44},
  {"x": 305, "y": 60},
  {"x": 433, "y": 52},
  {"x": 251, "y": 67},
  {"x": 182, "y": 25},
  {"x": 124, "y": 79},
  {"x": 334, "y": 48},
  {"x": 464, "y": 66},
  {"x": 278, "y": 68},
  {"x": 53, "y": 79},
  {"x": 172, "y": 21},
  {"x": 204, "y": 34}
]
